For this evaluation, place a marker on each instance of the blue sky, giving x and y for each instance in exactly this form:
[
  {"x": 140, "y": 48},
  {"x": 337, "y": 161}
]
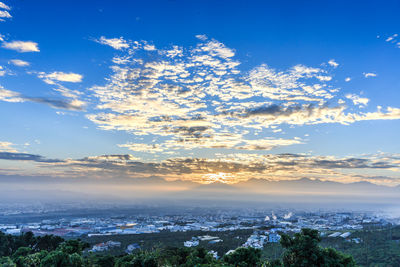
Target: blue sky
[{"x": 212, "y": 82}]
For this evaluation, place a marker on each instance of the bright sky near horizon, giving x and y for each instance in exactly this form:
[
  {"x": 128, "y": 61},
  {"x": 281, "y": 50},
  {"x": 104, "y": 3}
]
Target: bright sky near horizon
[{"x": 201, "y": 90}]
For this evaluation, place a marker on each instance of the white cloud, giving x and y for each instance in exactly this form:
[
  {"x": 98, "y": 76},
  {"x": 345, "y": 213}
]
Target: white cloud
[
  {"x": 391, "y": 38},
  {"x": 5, "y": 14},
  {"x": 197, "y": 98},
  {"x": 19, "y": 62},
  {"x": 2, "y": 71},
  {"x": 176, "y": 51},
  {"x": 333, "y": 63},
  {"x": 116, "y": 43},
  {"x": 149, "y": 47},
  {"x": 7, "y": 147},
  {"x": 323, "y": 78},
  {"x": 60, "y": 76},
  {"x": 348, "y": 79},
  {"x": 369, "y": 74},
  {"x": 10, "y": 96},
  {"x": 216, "y": 48},
  {"x": 140, "y": 147},
  {"x": 4, "y": 6},
  {"x": 21, "y": 46},
  {"x": 357, "y": 100},
  {"x": 202, "y": 37},
  {"x": 394, "y": 40}
]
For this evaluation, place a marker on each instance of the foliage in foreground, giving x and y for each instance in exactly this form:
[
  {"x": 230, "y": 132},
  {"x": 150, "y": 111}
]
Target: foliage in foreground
[{"x": 302, "y": 249}]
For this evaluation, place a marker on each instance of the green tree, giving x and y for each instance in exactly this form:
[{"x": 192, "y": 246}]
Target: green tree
[
  {"x": 199, "y": 257},
  {"x": 47, "y": 242},
  {"x": 243, "y": 257},
  {"x": 21, "y": 252},
  {"x": 274, "y": 263},
  {"x": 59, "y": 258},
  {"x": 94, "y": 260},
  {"x": 73, "y": 246},
  {"x": 7, "y": 262},
  {"x": 303, "y": 250},
  {"x": 5, "y": 244},
  {"x": 124, "y": 261}
]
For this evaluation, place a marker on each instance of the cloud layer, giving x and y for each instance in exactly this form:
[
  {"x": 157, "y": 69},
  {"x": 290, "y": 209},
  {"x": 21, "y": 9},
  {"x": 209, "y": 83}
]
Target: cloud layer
[
  {"x": 227, "y": 168},
  {"x": 199, "y": 98}
]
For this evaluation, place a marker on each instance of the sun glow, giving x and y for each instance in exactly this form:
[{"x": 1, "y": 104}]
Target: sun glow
[{"x": 221, "y": 177}]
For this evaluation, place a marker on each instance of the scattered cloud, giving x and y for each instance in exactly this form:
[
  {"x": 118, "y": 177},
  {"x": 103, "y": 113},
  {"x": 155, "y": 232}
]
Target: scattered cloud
[
  {"x": 21, "y": 46},
  {"x": 369, "y": 74},
  {"x": 4, "y": 15},
  {"x": 4, "y": 6},
  {"x": 268, "y": 144},
  {"x": 202, "y": 37},
  {"x": 116, "y": 43},
  {"x": 224, "y": 140},
  {"x": 198, "y": 98},
  {"x": 19, "y": 62},
  {"x": 333, "y": 63},
  {"x": 357, "y": 100},
  {"x": 149, "y": 47},
  {"x": 392, "y": 38},
  {"x": 59, "y": 76}
]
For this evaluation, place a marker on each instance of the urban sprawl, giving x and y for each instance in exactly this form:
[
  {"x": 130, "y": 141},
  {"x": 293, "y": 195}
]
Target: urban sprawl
[{"x": 266, "y": 228}]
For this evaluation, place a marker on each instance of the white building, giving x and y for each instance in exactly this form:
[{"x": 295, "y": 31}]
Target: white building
[
  {"x": 335, "y": 234},
  {"x": 99, "y": 247},
  {"x": 105, "y": 246},
  {"x": 345, "y": 235},
  {"x": 191, "y": 243}
]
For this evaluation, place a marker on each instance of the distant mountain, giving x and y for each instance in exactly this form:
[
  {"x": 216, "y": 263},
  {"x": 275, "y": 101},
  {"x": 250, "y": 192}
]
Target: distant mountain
[
  {"x": 310, "y": 186},
  {"x": 216, "y": 186},
  {"x": 156, "y": 188},
  {"x": 305, "y": 191}
]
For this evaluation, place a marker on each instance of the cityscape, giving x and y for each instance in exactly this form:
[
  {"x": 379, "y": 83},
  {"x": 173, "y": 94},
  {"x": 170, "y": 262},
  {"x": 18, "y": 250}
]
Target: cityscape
[{"x": 265, "y": 225}]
